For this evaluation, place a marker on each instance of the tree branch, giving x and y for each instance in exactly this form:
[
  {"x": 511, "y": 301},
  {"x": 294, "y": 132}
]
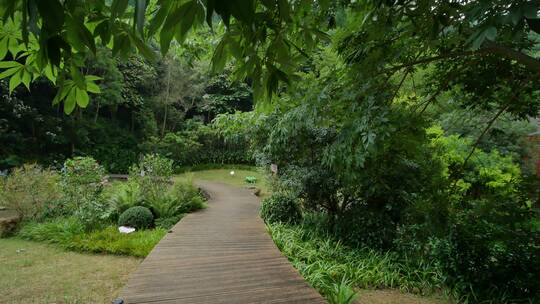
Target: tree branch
[{"x": 528, "y": 61}]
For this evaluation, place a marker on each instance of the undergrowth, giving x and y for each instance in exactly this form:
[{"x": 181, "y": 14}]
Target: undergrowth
[
  {"x": 326, "y": 264},
  {"x": 68, "y": 233}
]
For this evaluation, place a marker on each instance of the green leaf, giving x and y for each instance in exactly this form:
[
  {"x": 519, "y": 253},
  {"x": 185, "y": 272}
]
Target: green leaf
[
  {"x": 9, "y": 64},
  {"x": 3, "y": 47},
  {"x": 78, "y": 77},
  {"x": 165, "y": 37},
  {"x": 82, "y": 97},
  {"x": 534, "y": 24},
  {"x": 70, "y": 101},
  {"x": 490, "y": 33},
  {"x": 220, "y": 55},
  {"x": 14, "y": 81},
  {"x": 284, "y": 10},
  {"x": 52, "y": 14},
  {"x": 92, "y": 78},
  {"x": 103, "y": 30},
  {"x": 140, "y": 10},
  {"x": 143, "y": 48},
  {"x": 26, "y": 78},
  {"x": 159, "y": 17},
  {"x": 79, "y": 35},
  {"x": 9, "y": 72},
  {"x": 93, "y": 88},
  {"x": 118, "y": 8},
  {"x": 49, "y": 72}
]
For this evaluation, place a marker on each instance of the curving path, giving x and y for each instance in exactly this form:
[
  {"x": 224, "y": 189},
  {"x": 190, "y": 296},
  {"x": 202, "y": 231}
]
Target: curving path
[{"x": 221, "y": 254}]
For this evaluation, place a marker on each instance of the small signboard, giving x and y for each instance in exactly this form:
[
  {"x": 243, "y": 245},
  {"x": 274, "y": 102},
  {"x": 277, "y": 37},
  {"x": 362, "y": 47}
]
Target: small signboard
[{"x": 273, "y": 169}]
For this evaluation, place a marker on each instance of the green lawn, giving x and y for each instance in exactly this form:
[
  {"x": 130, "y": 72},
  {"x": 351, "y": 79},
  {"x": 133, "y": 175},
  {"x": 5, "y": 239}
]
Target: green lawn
[
  {"x": 33, "y": 272},
  {"x": 224, "y": 176}
]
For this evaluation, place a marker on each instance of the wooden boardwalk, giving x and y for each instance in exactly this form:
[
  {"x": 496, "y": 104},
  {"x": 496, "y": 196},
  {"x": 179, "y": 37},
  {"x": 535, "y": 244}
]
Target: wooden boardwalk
[{"x": 222, "y": 254}]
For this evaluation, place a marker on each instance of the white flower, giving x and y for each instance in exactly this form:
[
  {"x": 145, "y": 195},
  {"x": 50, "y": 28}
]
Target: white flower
[{"x": 232, "y": 173}]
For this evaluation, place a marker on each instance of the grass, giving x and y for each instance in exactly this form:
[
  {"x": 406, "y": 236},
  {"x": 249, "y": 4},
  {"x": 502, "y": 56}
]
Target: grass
[
  {"x": 224, "y": 176},
  {"x": 33, "y": 272},
  {"x": 68, "y": 234},
  {"x": 326, "y": 264}
]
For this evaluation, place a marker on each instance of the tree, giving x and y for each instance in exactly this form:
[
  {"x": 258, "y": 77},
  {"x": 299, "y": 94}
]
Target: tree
[{"x": 264, "y": 35}]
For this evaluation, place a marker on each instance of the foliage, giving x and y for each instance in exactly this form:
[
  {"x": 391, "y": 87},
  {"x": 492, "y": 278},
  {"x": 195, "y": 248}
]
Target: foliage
[
  {"x": 137, "y": 217},
  {"x": 109, "y": 240},
  {"x": 325, "y": 262},
  {"x": 198, "y": 144},
  {"x": 124, "y": 196},
  {"x": 29, "y": 190},
  {"x": 69, "y": 233},
  {"x": 251, "y": 179},
  {"x": 342, "y": 293},
  {"x": 152, "y": 174},
  {"x": 483, "y": 232},
  {"x": 271, "y": 26},
  {"x": 281, "y": 207},
  {"x": 82, "y": 181},
  {"x": 170, "y": 205}
]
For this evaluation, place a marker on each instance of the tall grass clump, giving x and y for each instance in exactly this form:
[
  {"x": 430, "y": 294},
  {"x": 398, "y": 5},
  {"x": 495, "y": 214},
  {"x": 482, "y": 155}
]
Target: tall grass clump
[{"x": 326, "y": 264}]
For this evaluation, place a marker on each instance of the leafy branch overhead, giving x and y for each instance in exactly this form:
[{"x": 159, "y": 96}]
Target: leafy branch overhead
[
  {"x": 58, "y": 34},
  {"x": 267, "y": 39}
]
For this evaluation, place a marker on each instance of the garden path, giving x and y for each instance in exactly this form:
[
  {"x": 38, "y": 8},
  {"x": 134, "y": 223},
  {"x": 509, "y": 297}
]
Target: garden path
[{"x": 222, "y": 254}]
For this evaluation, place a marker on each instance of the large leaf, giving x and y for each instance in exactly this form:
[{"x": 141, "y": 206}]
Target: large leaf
[
  {"x": 52, "y": 14},
  {"x": 118, "y": 8},
  {"x": 70, "y": 100},
  {"x": 78, "y": 35},
  {"x": 82, "y": 98},
  {"x": 138, "y": 21}
]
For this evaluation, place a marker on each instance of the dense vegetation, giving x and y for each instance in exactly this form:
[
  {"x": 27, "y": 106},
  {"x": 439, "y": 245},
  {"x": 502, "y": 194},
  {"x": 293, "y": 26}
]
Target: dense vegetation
[
  {"x": 143, "y": 107},
  {"x": 399, "y": 129},
  {"x": 78, "y": 209}
]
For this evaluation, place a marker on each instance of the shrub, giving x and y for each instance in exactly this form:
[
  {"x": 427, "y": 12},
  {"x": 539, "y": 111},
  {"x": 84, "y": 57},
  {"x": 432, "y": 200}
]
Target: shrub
[
  {"x": 59, "y": 231},
  {"x": 188, "y": 196},
  {"x": 95, "y": 214},
  {"x": 82, "y": 181},
  {"x": 183, "y": 197},
  {"x": 137, "y": 217},
  {"x": 327, "y": 264},
  {"x": 153, "y": 173},
  {"x": 109, "y": 240},
  {"x": 124, "y": 196},
  {"x": 168, "y": 222},
  {"x": 69, "y": 233},
  {"x": 281, "y": 207},
  {"x": 28, "y": 190}
]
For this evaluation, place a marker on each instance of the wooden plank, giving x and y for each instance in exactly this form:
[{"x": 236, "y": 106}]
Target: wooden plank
[{"x": 222, "y": 254}]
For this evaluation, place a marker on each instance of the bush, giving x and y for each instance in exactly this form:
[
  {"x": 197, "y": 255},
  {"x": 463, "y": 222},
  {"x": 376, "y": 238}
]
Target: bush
[
  {"x": 29, "y": 190},
  {"x": 183, "y": 197},
  {"x": 281, "y": 207},
  {"x": 324, "y": 262},
  {"x": 153, "y": 174},
  {"x": 137, "y": 217},
  {"x": 123, "y": 195},
  {"x": 82, "y": 181},
  {"x": 69, "y": 233}
]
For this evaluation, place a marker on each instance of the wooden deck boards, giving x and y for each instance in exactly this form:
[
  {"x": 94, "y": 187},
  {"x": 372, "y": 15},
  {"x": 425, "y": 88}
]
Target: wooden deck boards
[{"x": 222, "y": 254}]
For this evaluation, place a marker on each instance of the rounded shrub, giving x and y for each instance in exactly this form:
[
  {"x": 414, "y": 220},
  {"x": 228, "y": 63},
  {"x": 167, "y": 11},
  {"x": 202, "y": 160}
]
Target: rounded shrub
[
  {"x": 137, "y": 217},
  {"x": 281, "y": 207}
]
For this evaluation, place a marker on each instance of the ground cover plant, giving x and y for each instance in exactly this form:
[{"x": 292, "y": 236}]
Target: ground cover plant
[{"x": 85, "y": 212}]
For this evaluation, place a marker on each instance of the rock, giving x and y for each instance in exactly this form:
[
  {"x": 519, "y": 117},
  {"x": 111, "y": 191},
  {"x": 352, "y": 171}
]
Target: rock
[
  {"x": 8, "y": 224},
  {"x": 125, "y": 229}
]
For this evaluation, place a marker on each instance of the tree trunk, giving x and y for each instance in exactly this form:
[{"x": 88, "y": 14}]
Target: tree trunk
[
  {"x": 166, "y": 100},
  {"x": 97, "y": 111},
  {"x": 164, "y": 121}
]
